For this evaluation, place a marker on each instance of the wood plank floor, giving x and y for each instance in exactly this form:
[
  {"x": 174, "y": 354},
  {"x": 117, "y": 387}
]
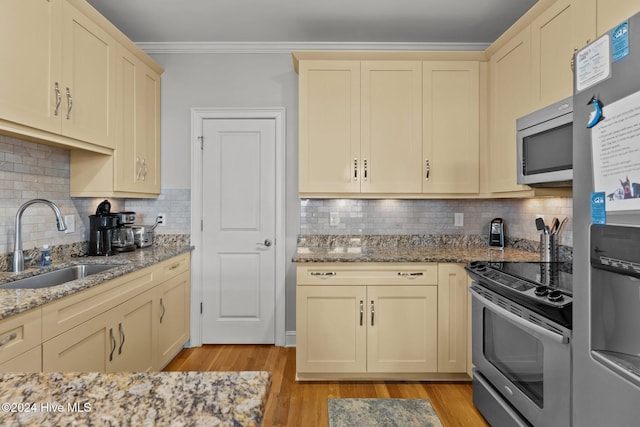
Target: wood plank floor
[{"x": 293, "y": 403}]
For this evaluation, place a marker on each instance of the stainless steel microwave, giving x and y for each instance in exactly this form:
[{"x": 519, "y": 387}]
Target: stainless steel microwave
[{"x": 545, "y": 146}]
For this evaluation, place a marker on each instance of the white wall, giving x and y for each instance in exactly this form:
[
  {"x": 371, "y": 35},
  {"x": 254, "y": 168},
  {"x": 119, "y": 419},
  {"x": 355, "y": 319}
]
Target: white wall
[{"x": 230, "y": 80}]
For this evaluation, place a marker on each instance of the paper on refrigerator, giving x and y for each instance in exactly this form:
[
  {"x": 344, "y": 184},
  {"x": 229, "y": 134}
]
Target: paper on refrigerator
[{"x": 616, "y": 154}]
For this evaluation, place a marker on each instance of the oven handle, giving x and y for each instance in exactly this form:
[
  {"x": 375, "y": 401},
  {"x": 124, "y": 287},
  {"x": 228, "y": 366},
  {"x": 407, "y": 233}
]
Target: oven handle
[{"x": 519, "y": 320}]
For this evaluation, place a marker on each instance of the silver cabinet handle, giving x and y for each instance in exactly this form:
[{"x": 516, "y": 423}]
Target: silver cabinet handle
[
  {"x": 355, "y": 169},
  {"x": 427, "y": 169},
  {"x": 121, "y": 329},
  {"x": 139, "y": 166},
  {"x": 410, "y": 274},
  {"x": 366, "y": 170},
  {"x": 58, "y": 98},
  {"x": 361, "y": 312},
  {"x": 69, "y": 103},
  {"x": 323, "y": 273},
  {"x": 372, "y": 312},
  {"x": 144, "y": 169},
  {"x": 267, "y": 243},
  {"x": 164, "y": 310},
  {"x": 12, "y": 336},
  {"x": 113, "y": 344}
]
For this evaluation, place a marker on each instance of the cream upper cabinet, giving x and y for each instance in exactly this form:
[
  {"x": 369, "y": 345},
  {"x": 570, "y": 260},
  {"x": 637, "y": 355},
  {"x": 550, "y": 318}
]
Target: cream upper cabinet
[
  {"x": 360, "y": 127},
  {"x": 31, "y": 45},
  {"x": 137, "y": 155},
  {"x": 391, "y": 148},
  {"x": 610, "y": 13},
  {"x": 553, "y": 43},
  {"x": 450, "y": 127},
  {"x": 88, "y": 82},
  {"x": 59, "y": 76},
  {"x": 134, "y": 168},
  {"x": 509, "y": 98},
  {"x": 329, "y": 126}
]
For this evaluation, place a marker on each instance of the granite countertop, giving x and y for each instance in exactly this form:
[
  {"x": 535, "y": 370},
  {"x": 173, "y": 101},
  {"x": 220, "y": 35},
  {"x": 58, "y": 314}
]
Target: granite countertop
[
  {"x": 134, "y": 399},
  {"x": 450, "y": 254},
  {"x": 401, "y": 248},
  {"x": 14, "y": 301}
]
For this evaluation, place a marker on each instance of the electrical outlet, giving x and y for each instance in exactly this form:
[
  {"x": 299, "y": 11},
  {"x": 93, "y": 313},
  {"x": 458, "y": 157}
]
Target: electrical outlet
[
  {"x": 162, "y": 220},
  {"x": 70, "y": 221},
  {"x": 334, "y": 218},
  {"x": 458, "y": 220}
]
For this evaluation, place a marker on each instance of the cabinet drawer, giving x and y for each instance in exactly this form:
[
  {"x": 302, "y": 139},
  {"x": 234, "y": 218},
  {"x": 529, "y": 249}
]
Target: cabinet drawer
[
  {"x": 20, "y": 333},
  {"x": 29, "y": 361},
  {"x": 64, "y": 314},
  {"x": 367, "y": 274},
  {"x": 172, "y": 267}
]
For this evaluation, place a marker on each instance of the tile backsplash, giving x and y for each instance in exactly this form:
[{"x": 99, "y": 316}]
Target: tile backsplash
[
  {"x": 374, "y": 217},
  {"x": 30, "y": 170}
]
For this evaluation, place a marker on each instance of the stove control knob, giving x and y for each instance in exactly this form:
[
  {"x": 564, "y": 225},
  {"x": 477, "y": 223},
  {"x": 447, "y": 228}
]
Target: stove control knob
[
  {"x": 541, "y": 291},
  {"x": 555, "y": 296}
]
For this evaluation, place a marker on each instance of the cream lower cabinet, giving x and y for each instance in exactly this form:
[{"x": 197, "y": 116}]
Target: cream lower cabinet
[
  {"x": 373, "y": 321},
  {"x": 120, "y": 339},
  {"x": 137, "y": 322},
  {"x": 173, "y": 300},
  {"x": 20, "y": 339}
]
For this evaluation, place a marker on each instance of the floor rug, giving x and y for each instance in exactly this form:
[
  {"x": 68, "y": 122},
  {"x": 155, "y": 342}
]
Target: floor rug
[{"x": 382, "y": 412}]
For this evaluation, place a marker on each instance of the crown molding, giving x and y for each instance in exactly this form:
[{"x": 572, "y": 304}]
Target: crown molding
[{"x": 288, "y": 47}]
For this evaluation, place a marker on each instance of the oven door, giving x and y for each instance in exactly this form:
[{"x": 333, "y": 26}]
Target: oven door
[{"x": 527, "y": 364}]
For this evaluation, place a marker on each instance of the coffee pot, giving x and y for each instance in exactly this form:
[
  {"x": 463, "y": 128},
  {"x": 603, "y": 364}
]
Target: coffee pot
[{"x": 101, "y": 228}]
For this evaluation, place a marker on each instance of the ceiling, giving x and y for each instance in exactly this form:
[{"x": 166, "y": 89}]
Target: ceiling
[{"x": 313, "y": 21}]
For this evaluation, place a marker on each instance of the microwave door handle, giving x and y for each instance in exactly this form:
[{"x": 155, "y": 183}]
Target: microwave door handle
[{"x": 518, "y": 320}]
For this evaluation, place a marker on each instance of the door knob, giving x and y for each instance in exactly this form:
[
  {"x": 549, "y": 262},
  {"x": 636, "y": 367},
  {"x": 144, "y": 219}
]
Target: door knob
[{"x": 267, "y": 243}]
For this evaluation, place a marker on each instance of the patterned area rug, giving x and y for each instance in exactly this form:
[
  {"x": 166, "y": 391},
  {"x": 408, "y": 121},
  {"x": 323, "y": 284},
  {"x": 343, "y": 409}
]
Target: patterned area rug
[{"x": 382, "y": 412}]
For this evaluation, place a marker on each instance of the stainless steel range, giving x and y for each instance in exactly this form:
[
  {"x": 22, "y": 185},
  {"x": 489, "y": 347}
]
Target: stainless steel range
[{"x": 521, "y": 342}]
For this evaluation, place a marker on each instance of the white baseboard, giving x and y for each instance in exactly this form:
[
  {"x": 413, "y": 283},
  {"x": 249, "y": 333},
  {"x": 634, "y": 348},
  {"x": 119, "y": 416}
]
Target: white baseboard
[{"x": 290, "y": 339}]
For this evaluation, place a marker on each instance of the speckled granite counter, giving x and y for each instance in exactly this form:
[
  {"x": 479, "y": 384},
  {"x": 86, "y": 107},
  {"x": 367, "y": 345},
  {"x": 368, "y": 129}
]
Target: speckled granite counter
[
  {"x": 456, "y": 249},
  {"x": 134, "y": 399},
  {"x": 14, "y": 301}
]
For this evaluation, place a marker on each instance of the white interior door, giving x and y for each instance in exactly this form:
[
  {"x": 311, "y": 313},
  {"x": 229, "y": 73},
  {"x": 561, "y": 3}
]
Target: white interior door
[{"x": 238, "y": 230}]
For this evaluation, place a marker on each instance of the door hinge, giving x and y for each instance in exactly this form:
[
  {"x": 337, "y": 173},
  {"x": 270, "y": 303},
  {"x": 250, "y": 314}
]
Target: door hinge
[
  {"x": 202, "y": 225},
  {"x": 201, "y": 138},
  {"x": 200, "y": 308}
]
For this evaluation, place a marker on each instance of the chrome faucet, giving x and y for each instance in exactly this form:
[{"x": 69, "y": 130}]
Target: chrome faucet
[{"x": 18, "y": 256}]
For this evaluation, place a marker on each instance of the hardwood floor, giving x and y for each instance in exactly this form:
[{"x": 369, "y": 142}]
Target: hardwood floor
[{"x": 293, "y": 403}]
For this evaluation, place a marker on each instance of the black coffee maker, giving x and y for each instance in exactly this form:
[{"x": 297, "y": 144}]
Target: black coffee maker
[{"x": 101, "y": 229}]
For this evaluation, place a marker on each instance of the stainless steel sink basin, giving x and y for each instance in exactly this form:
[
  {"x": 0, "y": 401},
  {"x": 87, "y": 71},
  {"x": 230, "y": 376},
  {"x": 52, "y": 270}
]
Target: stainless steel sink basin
[{"x": 58, "y": 277}]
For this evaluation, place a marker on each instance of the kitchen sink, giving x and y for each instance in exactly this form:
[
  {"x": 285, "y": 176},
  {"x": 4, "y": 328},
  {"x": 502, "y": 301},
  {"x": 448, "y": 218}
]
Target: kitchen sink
[{"x": 58, "y": 277}]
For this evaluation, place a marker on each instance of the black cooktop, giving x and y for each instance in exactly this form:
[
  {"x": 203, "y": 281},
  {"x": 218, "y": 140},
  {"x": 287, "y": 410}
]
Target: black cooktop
[{"x": 542, "y": 287}]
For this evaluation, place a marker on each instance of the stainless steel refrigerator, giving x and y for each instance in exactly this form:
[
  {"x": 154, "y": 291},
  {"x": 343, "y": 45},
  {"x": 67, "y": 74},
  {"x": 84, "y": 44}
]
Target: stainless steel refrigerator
[{"x": 606, "y": 259}]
